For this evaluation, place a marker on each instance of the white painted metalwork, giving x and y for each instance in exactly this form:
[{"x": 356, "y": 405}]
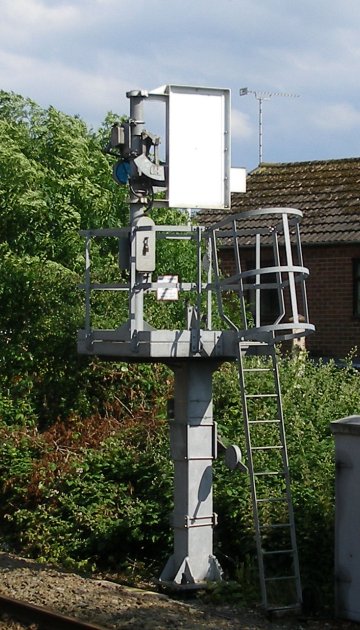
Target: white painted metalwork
[
  {"x": 272, "y": 233},
  {"x": 268, "y": 462},
  {"x": 197, "y": 174},
  {"x": 197, "y": 145}
]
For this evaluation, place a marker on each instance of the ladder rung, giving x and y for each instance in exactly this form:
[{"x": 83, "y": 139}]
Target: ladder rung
[
  {"x": 261, "y": 395},
  {"x": 278, "y": 552},
  {"x": 257, "y": 369},
  {"x": 251, "y": 404},
  {"x": 264, "y": 421},
  {"x": 270, "y": 473},
  {"x": 278, "y": 611},
  {"x": 267, "y": 448},
  {"x": 272, "y": 500},
  {"x": 281, "y": 577},
  {"x": 274, "y": 526}
]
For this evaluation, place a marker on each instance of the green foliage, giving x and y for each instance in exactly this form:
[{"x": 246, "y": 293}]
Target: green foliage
[
  {"x": 99, "y": 493},
  {"x": 85, "y": 475},
  {"x": 173, "y": 258},
  {"x": 67, "y": 497},
  {"x": 87, "y": 495},
  {"x": 54, "y": 180},
  {"x": 314, "y": 394},
  {"x": 40, "y": 315}
]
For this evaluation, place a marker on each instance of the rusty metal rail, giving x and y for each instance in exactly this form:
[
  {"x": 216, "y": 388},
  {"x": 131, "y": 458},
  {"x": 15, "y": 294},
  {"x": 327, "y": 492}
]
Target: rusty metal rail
[{"x": 45, "y": 618}]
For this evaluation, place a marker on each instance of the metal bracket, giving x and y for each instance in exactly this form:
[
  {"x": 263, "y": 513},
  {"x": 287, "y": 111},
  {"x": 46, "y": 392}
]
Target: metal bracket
[
  {"x": 89, "y": 341},
  {"x": 135, "y": 344},
  {"x": 195, "y": 340},
  {"x": 200, "y": 521}
]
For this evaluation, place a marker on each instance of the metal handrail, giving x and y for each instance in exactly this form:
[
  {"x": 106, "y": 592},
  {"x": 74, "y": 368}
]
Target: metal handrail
[{"x": 286, "y": 274}]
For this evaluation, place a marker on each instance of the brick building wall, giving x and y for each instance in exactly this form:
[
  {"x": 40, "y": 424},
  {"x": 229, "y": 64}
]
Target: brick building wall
[{"x": 330, "y": 298}]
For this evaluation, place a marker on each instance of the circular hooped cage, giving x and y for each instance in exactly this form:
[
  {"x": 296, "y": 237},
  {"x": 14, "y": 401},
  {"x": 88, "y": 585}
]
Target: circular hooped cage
[{"x": 268, "y": 275}]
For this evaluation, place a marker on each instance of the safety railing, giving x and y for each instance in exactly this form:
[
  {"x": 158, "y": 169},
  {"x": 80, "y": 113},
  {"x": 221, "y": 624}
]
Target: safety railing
[
  {"x": 168, "y": 287},
  {"x": 260, "y": 292},
  {"x": 267, "y": 273}
]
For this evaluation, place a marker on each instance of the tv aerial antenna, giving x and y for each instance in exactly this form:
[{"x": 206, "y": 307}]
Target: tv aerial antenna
[{"x": 262, "y": 96}]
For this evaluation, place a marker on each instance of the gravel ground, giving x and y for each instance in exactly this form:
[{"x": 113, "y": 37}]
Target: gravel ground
[{"x": 112, "y": 605}]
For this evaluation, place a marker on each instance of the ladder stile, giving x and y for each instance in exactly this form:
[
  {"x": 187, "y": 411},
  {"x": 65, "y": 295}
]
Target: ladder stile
[{"x": 274, "y": 479}]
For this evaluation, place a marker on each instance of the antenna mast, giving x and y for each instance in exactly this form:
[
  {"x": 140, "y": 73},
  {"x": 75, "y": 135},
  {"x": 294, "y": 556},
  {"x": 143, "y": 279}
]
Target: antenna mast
[{"x": 260, "y": 97}]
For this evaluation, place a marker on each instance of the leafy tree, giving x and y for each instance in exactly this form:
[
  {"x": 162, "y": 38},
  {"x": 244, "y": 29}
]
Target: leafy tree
[
  {"x": 84, "y": 442},
  {"x": 54, "y": 181}
]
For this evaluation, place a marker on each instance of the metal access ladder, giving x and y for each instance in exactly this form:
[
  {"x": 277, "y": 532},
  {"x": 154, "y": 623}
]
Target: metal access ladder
[{"x": 269, "y": 480}]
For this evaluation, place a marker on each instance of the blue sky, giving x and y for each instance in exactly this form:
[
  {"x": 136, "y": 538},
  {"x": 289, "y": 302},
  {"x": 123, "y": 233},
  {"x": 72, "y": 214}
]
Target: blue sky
[{"x": 81, "y": 56}]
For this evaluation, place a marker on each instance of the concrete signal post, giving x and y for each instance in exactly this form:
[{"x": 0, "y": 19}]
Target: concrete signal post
[{"x": 194, "y": 174}]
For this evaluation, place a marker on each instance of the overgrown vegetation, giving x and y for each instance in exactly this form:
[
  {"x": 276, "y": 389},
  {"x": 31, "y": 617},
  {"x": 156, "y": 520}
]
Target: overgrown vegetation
[
  {"x": 314, "y": 394},
  {"x": 85, "y": 474}
]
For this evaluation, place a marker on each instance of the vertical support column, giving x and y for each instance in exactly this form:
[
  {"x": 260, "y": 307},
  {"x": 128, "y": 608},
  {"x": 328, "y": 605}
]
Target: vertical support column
[
  {"x": 87, "y": 287},
  {"x": 193, "y": 448},
  {"x": 289, "y": 258},
  {"x": 137, "y": 205}
]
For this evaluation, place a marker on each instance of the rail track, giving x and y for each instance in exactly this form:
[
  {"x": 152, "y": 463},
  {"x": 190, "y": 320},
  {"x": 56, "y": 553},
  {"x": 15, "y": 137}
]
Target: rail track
[{"x": 44, "y": 618}]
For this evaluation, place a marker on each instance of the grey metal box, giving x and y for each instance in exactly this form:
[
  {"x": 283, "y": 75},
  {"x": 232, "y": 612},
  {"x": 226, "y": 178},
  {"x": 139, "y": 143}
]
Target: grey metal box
[{"x": 347, "y": 519}]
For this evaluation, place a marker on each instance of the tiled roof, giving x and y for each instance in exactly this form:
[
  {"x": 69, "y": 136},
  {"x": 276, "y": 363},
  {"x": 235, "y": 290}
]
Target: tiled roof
[{"x": 327, "y": 192}]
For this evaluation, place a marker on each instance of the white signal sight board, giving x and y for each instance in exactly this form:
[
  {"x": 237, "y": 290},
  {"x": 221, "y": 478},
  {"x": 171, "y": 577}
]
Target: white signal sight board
[
  {"x": 198, "y": 146},
  {"x": 199, "y": 155}
]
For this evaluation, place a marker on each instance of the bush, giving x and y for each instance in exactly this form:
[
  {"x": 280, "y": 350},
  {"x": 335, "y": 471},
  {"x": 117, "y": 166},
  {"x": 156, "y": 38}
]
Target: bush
[
  {"x": 313, "y": 395},
  {"x": 98, "y": 493},
  {"x": 87, "y": 494},
  {"x": 85, "y": 475}
]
